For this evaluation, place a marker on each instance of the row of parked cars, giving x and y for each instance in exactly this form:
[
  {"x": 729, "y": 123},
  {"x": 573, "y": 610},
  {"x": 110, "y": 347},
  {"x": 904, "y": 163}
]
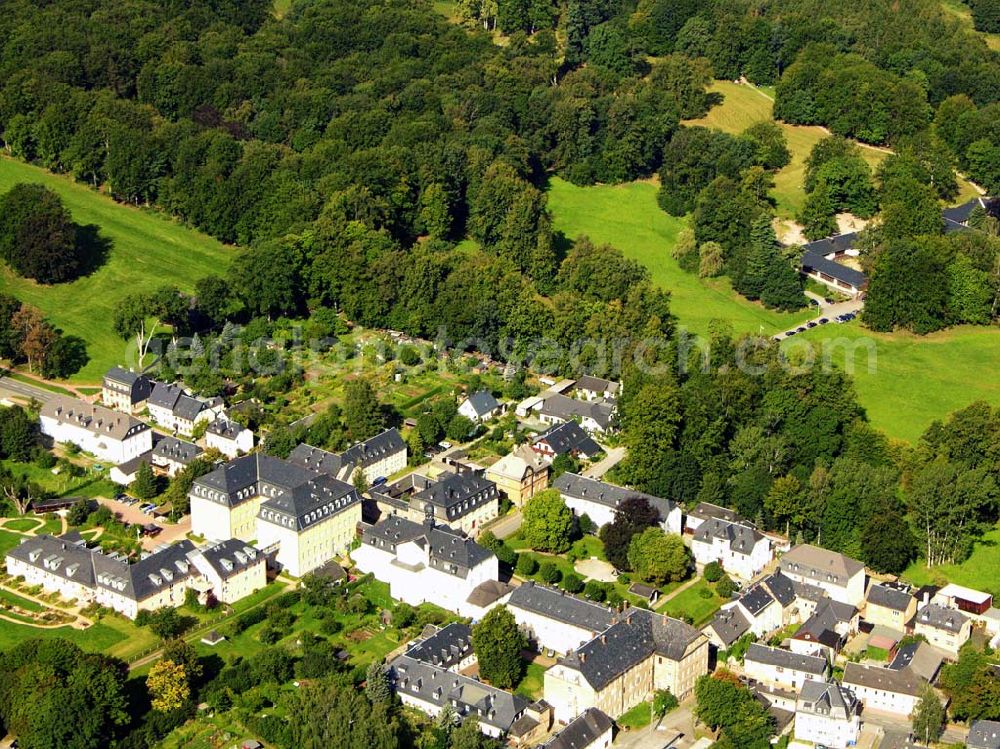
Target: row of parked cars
[
  {"x": 846, "y": 317},
  {"x": 146, "y": 507}
]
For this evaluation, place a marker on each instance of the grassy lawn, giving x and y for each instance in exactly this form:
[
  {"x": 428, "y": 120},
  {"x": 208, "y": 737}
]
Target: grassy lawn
[
  {"x": 979, "y": 571},
  {"x": 691, "y": 603},
  {"x": 912, "y": 380},
  {"x": 99, "y": 638},
  {"x": 9, "y": 540},
  {"x": 89, "y": 485},
  {"x": 24, "y": 603},
  {"x": 531, "y": 685},
  {"x": 148, "y": 249},
  {"x": 23, "y": 524},
  {"x": 743, "y": 106},
  {"x": 639, "y": 716},
  {"x": 960, "y": 10},
  {"x": 628, "y": 217}
]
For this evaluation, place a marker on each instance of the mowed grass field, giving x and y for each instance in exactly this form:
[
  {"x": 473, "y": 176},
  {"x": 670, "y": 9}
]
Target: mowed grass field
[
  {"x": 744, "y": 105},
  {"x": 906, "y": 381},
  {"x": 148, "y": 250},
  {"x": 628, "y": 217},
  {"x": 981, "y": 571}
]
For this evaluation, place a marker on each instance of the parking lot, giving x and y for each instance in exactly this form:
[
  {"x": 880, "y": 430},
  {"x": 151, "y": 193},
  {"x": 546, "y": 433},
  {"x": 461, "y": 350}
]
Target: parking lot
[
  {"x": 826, "y": 314},
  {"x": 130, "y": 512}
]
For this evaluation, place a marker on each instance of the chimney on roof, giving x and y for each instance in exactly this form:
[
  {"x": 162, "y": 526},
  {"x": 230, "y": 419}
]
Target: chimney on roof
[{"x": 927, "y": 597}]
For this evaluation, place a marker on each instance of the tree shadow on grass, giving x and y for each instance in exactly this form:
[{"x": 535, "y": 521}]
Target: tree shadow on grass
[{"x": 92, "y": 248}]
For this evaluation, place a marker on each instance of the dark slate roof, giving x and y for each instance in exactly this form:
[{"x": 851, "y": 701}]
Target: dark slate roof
[
  {"x": 123, "y": 376},
  {"x": 598, "y": 385},
  {"x": 231, "y": 557},
  {"x": 176, "y": 450},
  {"x": 889, "y": 597},
  {"x": 561, "y": 606},
  {"x": 95, "y": 419},
  {"x": 566, "y": 408},
  {"x": 821, "y": 626},
  {"x": 316, "y": 459},
  {"x": 457, "y": 493},
  {"x": 902, "y": 681},
  {"x": 921, "y": 658},
  {"x": 568, "y": 438},
  {"x": 438, "y": 686},
  {"x": 756, "y": 599},
  {"x": 483, "y": 402},
  {"x": 814, "y": 257},
  {"x": 138, "y": 385},
  {"x": 488, "y": 592},
  {"x": 321, "y": 498},
  {"x": 225, "y": 428},
  {"x": 706, "y": 511},
  {"x": 960, "y": 214},
  {"x": 188, "y": 408},
  {"x": 730, "y": 625},
  {"x": 984, "y": 734},
  {"x": 165, "y": 395},
  {"x": 449, "y": 551},
  {"x": 609, "y": 495},
  {"x": 60, "y": 557},
  {"x": 582, "y": 731},
  {"x": 148, "y": 576},
  {"x": 635, "y": 635},
  {"x": 740, "y": 537},
  {"x": 375, "y": 449},
  {"x": 446, "y": 647},
  {"x": 828, "y": 699},
  {"x": 810, "y": 664},
  {"x": 780, "y": 587},
  {"x": 246, "y": 472},
  {"x": 940, "y": 617}
]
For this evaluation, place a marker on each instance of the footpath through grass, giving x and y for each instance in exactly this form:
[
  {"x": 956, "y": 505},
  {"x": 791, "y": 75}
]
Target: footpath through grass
[
  {"x": 906, "y": 381},
  {"x": 628, "y": 217},
  {"x": 148, "y": 250}
]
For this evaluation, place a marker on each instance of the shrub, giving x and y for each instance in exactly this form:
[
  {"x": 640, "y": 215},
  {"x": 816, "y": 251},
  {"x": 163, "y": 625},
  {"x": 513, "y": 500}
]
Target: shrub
[
  {"x": 550, "y": 573},
  {"x": 572, "y": 583},
  {"x": 713, "y": 572},
  {"x": 595, "y": 591},
  {"x": 526, "y": 565},
  {"x": 725, "y": 587}
]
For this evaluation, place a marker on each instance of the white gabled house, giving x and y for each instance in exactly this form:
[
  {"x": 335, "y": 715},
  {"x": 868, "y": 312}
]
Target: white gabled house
[
  {"x": 599, "y": 500},
  {"x": 827, "y": 714},
  {"x": 229, "y": 437},
  {"x": 109, "y": 435},
  {"x": 741, "y": 549},
  {"x": 839, "y": 576}
]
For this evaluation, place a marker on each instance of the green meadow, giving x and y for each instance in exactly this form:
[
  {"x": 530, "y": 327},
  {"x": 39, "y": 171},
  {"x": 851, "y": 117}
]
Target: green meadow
[{"x": 148, "y": 249}]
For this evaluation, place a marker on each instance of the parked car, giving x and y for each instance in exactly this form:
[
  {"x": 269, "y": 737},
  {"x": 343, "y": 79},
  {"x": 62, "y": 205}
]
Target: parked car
[
  {"x": 813, "y": 303},
  {"x": 379, "y": 481},
  {"x": 789, "y": 333},
  {"x": 810, "y": 324},
  {"x": 824, "y": 320},
  {"x": 800, "y": 329}
]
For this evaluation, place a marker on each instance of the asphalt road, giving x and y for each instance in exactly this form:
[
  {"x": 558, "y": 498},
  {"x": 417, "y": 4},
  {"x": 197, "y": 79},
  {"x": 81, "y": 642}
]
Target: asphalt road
[
  {"x": 605, "y": 464},
  {"x": 18, "y": 389},
  {"x": 829, "y": 311}
]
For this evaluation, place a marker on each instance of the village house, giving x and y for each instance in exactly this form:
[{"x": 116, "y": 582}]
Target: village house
[
  {"x": 920, "y": 658},
  {"x": 555, "y": 620},
  {"x": 480, "y": 407},
  {"x": 706, "y": 511},
  {"x": 228, "y": 437},
  {"x": 172, "y": 455},
  {"x": 568, "y": 438},
  {"x": 429, "y": 688},
  {"x": 321, "y": 461},
  {"x": 842, "y": 578},
  {"x": 174, "y": 409},
  {"x": 533, "y": 725},
  {"x": 764, "y": 607},
  {"x": 740, "y": 548},
  {"x": 622, "y": 666},
  {"x": 782, "y": 669},
  {"x": 884, "y": 690},
  {"x": 232, "y": 569},
  {"x": 594, "y": 416},
  {"x": 826, "y": 630},
  {"x": 425, "y": 563},
  {"x": 464, "y": 501},
  {"x": 110, "y": 436},
  {"x": 591, "y": 729},
  {"x": 378, "y": 457},
  {"x": 448, "y": 647},
  {"x": 727, "y": 626},
  {"x": 598, "y": 500},
  {"x": 889, "y": 606},
  {"x": 984, "y": 734},
  {"x": 312, "y": 516},
  {"x": 827, "y": 714},
  {"x": 125, "y": 390},
  {"x": 945, "y": 628},
  {"x": 591, "y": 388},
  {"x": 520, "y": 475}
]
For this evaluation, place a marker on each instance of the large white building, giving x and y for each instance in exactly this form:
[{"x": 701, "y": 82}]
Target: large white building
[
  {"x": 311, "y": 517},
  {"x": 556, "y": 620},
  {"x": 175, "y": 409},
  {"x": 427, "y": 563},
  {"x": 111, "y": 436},
  {"x": 839, "y": 576},
  {"x": 599, "y": 500},
  {"x": 228, "y": 571},
  {"x": 827, "y": 714},
  {"x": 782, "y": 669},
  {"x": 884, "y": 690},
  {"x": 741, "y": 549}
]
